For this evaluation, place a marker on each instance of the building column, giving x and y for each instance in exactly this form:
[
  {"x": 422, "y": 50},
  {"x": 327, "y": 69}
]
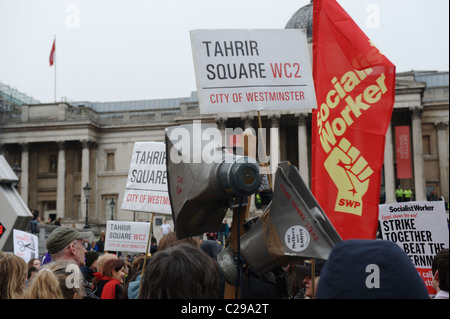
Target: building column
[
  {"x": 419, "y": 172},
  {"x": 442, "y": 140},
  {"x": 84, "y": 175},
  {"x": 61, "y": 183},
  {"x": 389, "y": 174},
  {"x": 25, "y": 166},
  {"x": 274, "y": 145},
  {"x": 303, "y": 167}
]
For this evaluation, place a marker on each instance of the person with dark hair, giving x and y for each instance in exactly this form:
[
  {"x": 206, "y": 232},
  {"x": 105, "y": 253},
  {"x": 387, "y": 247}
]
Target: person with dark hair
[
  {"x": 180, "y": 272},
  {"x": 439, "y": 269},
  {"x": 212, "y": 248},
  {"x": 34, "y": 262},
  {"x": 133, "y": 279},
  {"x": 111, "y": 284},
  {"x": 223, "y": 232},
  {"x": 153, "y": 245},
  {"x": 34, "y": 221},
  {"x": 306, "y": 270},
  {"x": 90, "y": 267},
  {"x": 32, "y": 272}
]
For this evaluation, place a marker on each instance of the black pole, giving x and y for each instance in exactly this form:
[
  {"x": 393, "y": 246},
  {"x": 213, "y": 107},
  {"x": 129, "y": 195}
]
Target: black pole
[{"x": 86, "y": 224}]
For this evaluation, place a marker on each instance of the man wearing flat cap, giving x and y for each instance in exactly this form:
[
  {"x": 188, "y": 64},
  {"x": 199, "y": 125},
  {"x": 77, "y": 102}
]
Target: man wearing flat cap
[{"x": 66, "y": 244}]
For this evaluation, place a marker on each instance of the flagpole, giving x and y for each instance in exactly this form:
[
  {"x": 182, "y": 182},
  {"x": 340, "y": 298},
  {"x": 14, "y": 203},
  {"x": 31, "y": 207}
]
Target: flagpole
[
  {"x": 146, "y": 253},
  {"x": 54, "y": 59},
  {"x": 263, "y": 144}
]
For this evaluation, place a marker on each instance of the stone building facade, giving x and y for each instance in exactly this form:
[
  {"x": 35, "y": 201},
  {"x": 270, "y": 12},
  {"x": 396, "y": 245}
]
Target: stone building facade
[{"x": 62, "y": 146}]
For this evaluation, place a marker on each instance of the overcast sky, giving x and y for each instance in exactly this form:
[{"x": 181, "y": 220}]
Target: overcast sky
[{"x": 119, "y": 50}]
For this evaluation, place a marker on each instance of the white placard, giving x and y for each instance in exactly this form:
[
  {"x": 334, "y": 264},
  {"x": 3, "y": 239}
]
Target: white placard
[
  {"x": 25, "y": 245},
  {"x": 146, "y": 189},
  {"x": 126, "y": 236},
  {"x": 420, "y": 229},
  {"x": 246, "y": 70}
]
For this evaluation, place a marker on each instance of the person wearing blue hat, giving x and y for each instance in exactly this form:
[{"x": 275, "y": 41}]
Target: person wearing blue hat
[{"x": 370, "y": 269}]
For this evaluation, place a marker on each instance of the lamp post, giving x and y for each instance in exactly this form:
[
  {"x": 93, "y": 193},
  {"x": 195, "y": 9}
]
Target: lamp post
[
  {"x": 112, "y": 204},
  {"x": 86, "y": 190}
]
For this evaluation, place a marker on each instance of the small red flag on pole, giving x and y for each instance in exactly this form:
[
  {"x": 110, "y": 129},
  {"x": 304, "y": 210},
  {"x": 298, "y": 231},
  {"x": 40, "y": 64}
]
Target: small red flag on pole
[
  {"x": 52, "y": 53},
  {"x": 53, "y": 60}
]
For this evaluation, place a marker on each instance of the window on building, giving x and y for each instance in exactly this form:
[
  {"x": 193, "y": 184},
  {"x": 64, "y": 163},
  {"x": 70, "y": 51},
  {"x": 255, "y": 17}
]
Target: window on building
[
  {"x": 53, "y": 164},
  {"x": 158, "y": 221},
  {"x": 426, "y": 144},
  {"x": 110, "y": 161},
  {"x": 50, "y": 205}
]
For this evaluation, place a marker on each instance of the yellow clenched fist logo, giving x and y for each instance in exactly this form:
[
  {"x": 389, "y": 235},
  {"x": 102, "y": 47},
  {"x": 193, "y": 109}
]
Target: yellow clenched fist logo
[{"x": 350, "y": 173}]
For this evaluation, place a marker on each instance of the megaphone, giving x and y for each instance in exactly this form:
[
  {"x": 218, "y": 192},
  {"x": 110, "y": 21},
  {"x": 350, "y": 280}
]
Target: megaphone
[
  {"x": 204, "y": 177},
  {"x": 292, "y": 227}
]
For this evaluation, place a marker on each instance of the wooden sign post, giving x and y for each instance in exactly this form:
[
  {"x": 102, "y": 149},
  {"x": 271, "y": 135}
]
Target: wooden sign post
[{"x": 240, "y": 215}]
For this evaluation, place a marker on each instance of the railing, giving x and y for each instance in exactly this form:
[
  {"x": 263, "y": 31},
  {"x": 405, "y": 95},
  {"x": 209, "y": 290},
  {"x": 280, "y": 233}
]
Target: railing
[{"x": 80, "y": 114}]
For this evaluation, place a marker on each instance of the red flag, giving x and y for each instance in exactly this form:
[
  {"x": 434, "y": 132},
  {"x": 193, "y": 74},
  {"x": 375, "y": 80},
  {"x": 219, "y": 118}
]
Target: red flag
[
  {"x": 355, "y": 90},
  {"x": 403, "y": 151},
  {"x": 52, "y": 54}
]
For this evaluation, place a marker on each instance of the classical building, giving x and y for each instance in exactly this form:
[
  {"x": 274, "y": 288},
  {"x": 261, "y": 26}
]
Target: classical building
[{"x": 60, "y": 147}]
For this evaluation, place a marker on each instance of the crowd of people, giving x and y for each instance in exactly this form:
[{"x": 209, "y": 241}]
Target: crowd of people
[{"x": 188, "y": 269}]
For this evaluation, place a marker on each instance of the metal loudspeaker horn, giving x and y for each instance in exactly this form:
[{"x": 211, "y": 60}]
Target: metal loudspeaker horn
[
  {"x": 204, "y": 177},
  {"x": 292, "y": 227}
]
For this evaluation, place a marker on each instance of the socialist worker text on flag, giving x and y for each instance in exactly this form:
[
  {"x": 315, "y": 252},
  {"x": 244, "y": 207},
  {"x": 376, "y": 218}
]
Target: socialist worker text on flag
[{"x": 355, "y": 90}]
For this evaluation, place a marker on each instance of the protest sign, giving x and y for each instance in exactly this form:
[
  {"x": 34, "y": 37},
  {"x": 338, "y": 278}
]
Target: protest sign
[
  {"x": 146, "y": 189},
  {"x": 420, "y": 229},
  {"x": 126, "y": 236},
  {"x": 245, "y": 70},
  {"x": 25, "y": 245}
]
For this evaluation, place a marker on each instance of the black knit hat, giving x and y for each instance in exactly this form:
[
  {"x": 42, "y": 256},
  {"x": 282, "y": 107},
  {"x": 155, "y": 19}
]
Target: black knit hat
[{"x": 91, "y": 257}]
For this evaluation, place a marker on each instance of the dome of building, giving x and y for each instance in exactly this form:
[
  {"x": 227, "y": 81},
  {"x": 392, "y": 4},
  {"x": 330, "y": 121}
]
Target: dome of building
[{"x": 302, "y": 19}]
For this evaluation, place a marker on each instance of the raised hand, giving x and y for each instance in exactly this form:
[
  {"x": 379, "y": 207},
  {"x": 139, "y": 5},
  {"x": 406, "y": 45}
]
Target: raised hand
[{"x": 350, "y": 173}]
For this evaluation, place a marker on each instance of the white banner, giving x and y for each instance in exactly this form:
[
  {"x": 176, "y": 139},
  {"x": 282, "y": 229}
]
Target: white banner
[
  {"x": 126, "y": 236},
  {"x": 420, "y": 229},
  {"x": 246, "y": 70},
  {"x": 146, "y": 189},
  {"x": 25, "y": 245}
]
